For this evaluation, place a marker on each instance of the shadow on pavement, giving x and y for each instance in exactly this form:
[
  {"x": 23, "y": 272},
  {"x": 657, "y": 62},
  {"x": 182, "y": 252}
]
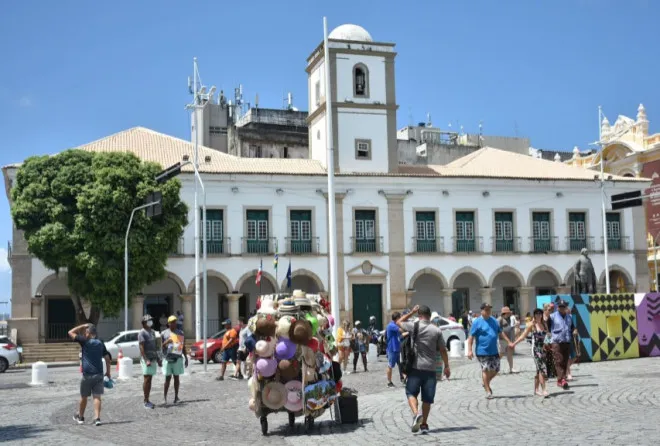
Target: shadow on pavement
[
  {"x": 566, "y": 392},
  {"x": 21, "y": 432},
  {"x": 441, "y": 430},
  {"x": 112, "y": 423},
  {"x": 319, "y": 428},
  {"x": 14, "y": 386},
  {"x": 583, "y": 385},
  {"x": 512, "y": 397}
]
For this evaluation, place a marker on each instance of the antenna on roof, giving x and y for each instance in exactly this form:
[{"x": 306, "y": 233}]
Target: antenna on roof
[
  {"x": 256, "y": 101},
  {"x": 428, "y": 120}
]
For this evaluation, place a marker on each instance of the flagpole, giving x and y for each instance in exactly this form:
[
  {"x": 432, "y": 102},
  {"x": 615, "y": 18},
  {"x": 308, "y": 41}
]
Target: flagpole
[
  {"x": 332, "y": 233},
  {"x": 261, "y": 279}
]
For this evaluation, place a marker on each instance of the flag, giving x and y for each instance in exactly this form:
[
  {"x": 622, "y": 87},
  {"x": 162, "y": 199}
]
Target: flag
[
  {"x": 288, "y": 276},
  {"x": 276, "y": 261},
  {"x": 261, "y": 267}
]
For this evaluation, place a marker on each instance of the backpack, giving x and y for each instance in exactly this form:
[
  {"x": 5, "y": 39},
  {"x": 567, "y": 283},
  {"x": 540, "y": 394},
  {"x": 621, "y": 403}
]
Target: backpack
[{"x": 411, "y": 351}]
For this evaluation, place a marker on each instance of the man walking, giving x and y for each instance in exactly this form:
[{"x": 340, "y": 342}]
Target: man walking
[
  {"x": 427, "y": 342},
  {"x": 393, "y": 340},
  {"x": 487, "y": 331},
  {"x": 229, "y": 349},
  {"x": 508, "y": 326},
  {"x": 148, "y": 357},
  {"x": 93, "y": 354},
  {"x": 174, "y": 352},
  {"x": 561, "y": 326}
]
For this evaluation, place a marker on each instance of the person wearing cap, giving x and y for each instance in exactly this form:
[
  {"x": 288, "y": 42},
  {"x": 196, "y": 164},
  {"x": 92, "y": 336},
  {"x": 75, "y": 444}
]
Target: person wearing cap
[
  {"x": 241, "y": 354},
  {"x": 174, "y": 351},
  {"x": 149, "y": 359},
  {"x": 93, "y": 354},
  {"x": 560, "y": 324},
  {"x": 229, "y": 348},
  {"x": 508, "y": 327},
  {"x": 487, "y": 331}
]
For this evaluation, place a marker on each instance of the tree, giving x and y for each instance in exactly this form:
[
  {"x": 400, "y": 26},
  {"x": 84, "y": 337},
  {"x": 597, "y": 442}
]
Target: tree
[{"x": 74, "y": 209}]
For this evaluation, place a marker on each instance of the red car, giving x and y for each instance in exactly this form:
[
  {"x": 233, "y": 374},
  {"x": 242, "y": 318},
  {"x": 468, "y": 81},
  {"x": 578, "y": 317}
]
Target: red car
[{"x": 213, "y": 345}]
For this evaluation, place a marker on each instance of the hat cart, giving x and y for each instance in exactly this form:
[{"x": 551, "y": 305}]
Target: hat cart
[{"x": 291, "y": 357}]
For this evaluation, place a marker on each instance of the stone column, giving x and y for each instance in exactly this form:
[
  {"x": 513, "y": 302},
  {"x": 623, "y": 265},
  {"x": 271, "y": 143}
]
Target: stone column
[
  {"x": 36, "y": 313},
  {"x": 396, "y": 248},
  {"x": 527, "y": 296},
  {"x": 188, "y": 315},
  {"x": 339, "y": 227},
  {"x": 138, "y": 310},
  {"x": 447, "y": 303},
  {"x": 409, "y": 296},
  {"x": 563, "y": 289},
  {"x": 486, "y": 295},
  {"x": 233, "y": 306}
]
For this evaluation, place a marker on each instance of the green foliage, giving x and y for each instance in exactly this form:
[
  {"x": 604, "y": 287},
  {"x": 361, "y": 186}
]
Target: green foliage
[{"x": 74, "y": 209}]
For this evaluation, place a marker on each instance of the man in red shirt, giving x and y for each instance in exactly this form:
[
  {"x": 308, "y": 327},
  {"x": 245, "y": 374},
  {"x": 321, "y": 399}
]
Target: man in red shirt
[{"x": 229, "y": 348}]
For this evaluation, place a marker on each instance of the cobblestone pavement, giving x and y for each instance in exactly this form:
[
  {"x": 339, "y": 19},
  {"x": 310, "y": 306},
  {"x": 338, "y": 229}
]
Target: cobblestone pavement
[{"x": 612, "y": 403}]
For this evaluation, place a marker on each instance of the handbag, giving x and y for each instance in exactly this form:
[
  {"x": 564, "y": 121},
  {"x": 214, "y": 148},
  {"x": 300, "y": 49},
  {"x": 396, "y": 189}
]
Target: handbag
[{"x": 411, "y": 356}]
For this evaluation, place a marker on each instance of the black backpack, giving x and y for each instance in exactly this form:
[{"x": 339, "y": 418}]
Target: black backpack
[{"x": 410, "y": 349}]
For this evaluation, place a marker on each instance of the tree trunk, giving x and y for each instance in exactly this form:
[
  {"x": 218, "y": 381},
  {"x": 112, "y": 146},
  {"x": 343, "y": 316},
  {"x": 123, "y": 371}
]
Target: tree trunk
[{"x": 81, "y": 317}]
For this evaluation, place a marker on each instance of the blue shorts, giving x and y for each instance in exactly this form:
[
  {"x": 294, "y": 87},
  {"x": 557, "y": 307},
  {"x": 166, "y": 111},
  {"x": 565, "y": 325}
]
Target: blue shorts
[
  {"x": 229, "y": 355},
  {"x": 393, "y": 358},
  {"x": 424, "y": 381}
]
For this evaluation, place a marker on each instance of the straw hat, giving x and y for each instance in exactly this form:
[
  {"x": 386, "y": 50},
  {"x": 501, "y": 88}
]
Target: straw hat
[
  {"x": 284, "y": 325},
  {"x": 287, "y": 306},
  {"x": 274, "y": 395},
  {"x": 289, "y": 369},
  {"x": 267, "y": 307},
  {"x": 253, "y": 386},
  {"x": 300, "y": 332},
  {"x": 266, "y": 325},
  {"x": 299, "y": 294},
  {"x": 265, "y": 348},
  {"x": 294, "y": 399},
  {"x": 308, "y": 357}
]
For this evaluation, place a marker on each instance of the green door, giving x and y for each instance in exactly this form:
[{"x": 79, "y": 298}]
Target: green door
[
  {"x": 301, "y": 232},
  {"x": 504, "y": 231},
  {"x": 541, "y": 232},
  {"x": 426, "y": 240},
  {"x": 367, "y": 302},
  {"x": 613, "y": 231},
  {"x": 465, "y": 232},
  {"x": 365, "y": 231},
  {"x": 257, "y": 231},
  {"x": 577, "y": 231},
  {"x": 214, "y": 232}
]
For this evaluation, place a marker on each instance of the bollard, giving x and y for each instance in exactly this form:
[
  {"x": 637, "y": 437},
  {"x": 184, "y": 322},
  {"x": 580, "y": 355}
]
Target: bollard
[
  {"x": 119, "y": 358},
  {"x": 455, "y": 349},
  {"x": 372, "y": 354},
  {"x": 126, "y": 368},
  {"x": 39, "y": 374}
]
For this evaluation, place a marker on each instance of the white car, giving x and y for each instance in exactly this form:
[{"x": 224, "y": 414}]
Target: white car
[
  {"x": 127, "y": 341},
  {"x": 451, "y": 331},
  {"x": 9, "y": 354}
]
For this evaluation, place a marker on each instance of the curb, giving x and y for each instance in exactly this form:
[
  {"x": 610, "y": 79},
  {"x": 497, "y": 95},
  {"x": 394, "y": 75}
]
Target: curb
[{"x": 50, "y": 365}]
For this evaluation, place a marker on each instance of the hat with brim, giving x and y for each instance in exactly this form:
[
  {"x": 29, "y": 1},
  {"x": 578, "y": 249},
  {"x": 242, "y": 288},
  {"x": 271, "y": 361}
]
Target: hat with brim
[
  {"x": 289, "y": 369},
  {"x": 294, "y": 399},
  {"x": 299, "y": 294},
  {"x": 300, "y": 332},
  {"x": 266, "y": 367},
  {"x": 266, "y": 325},
  {"x": 265, "y": 348},
  {"x": 486, "y": 305},
  {"x": 284, "y": 325},
  {"x": 267, "y": 307},
  {"x": 308, "y": 356},
  {"x": 287, "y": 306},
  {"x": 172, "y": 319},
  {"x": 274, "y": 395}
]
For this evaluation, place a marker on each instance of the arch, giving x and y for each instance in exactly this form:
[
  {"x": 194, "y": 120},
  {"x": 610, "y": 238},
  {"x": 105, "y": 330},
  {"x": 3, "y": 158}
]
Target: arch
[
  {"x": 569, "y": 277},
  {"x": 615, "y": 146},
  {"x": 210, "y": 273},
  {"x": 430, "y": 271},
  {"x": 176, "y": 279},
  {"x": 360, "y": 80},
  {"x": 618, "y": 269},
  {"x": 304, "y": 272},
  {"x": 506, "y": 269},
  {"x": 467, "y": 270},
  {"x": 48, "y": 279},
  {"x": 253, "y": 273},
  {"x": 547, "y": 269}
]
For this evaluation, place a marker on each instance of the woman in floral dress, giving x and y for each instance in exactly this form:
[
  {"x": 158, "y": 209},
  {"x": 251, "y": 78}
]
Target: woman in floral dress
[
  {"x": 539, "y": 331},
  {"x": 548, "y": 309}
]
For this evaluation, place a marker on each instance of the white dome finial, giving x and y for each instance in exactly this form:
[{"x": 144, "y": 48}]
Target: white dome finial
[
  {"x": 557, "y": 158},
  {"x": 350, "y": 32}
]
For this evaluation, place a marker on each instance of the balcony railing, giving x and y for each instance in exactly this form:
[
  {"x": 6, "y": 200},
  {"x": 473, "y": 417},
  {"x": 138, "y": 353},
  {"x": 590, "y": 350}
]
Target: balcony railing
[
  {"x": 302, "y": 247},
  {"x": 257, "y": 247},
  {"x": 616, "y": 244},
  {"x": 578, "y": 244},
  {"x": 218, "y": 247},
  {"x": 56, "y": 332},
  {"x": 502, "y": 246},
  {"x": 548, "y": 244},
  {"x": 468, "y": 246},
  {"x": 429, "y": 245},
  {"x": 366, "y": 245}
]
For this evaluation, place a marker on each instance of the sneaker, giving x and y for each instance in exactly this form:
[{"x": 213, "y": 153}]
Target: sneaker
[
  {"x": 78, "y": 419},
  {"x": 240, "y": 376},
  {"x": 417, "y": 422},
  {"x": 424, "y": 428},
  {"x": 234, "y": 377},
  {"x": 220, "y": 378},
  {"x": 97, "y": 422},
  {"x": 564, "y": 384},
  {"x": 390, "y": 384},
  {"x": 176, "y": 400},
  {"x": 149, "y": 405}
]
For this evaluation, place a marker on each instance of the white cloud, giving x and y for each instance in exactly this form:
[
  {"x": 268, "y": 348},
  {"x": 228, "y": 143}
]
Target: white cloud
[
  {"x": 4, "y": 263},
  {"x": 25, "y": 102}
]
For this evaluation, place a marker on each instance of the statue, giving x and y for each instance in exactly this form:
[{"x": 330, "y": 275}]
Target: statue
[{"x": 585, "y": 276}]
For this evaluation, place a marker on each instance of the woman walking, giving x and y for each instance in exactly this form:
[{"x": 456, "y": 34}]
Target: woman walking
[
  {"x": 344, "y": 337},
  {"x": 539, "y": 331},
  {"x": 548, "y": 309}
]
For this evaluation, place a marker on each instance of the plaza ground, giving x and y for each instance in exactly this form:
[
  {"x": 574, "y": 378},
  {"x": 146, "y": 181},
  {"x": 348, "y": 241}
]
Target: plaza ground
[{"x": 611, "y": 403}]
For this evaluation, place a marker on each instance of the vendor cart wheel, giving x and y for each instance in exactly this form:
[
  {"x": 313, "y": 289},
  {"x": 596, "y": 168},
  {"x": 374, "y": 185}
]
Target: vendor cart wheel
[
  {"x": 292, "y": 419},
  {"x": 264, "y": 425},
  {"x": 309, "y": 422}
]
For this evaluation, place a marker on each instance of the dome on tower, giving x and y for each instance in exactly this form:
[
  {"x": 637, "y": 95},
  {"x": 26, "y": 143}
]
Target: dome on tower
[{"x": 350, "y": 32}]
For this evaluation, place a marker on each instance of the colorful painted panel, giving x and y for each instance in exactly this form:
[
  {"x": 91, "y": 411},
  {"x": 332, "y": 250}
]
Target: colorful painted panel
[
  {"x": 613, "y": 326},
  {"x": 581, "y": 319},
  {"x": 648, "y": 323}
]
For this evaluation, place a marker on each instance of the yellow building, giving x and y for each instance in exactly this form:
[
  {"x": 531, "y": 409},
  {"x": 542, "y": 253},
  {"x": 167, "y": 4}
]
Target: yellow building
[{"x": 629, "y": 150}]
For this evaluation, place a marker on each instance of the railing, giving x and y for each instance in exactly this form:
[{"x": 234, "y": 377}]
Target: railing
[
  {"x": 509, "y": 245},
  {"x": 577, "y": 244},
  {"x": 429, "y": 245},
  {"x": 548, "y": 244},
  {"x": 616, "y": 244},
  {"x": 256, "y": 247},
  {"x": 365, "y": 245},
  {"x": 216, "y": 247},
  {"x": 56, "y": 332},
  {"x": 468, "y": 246},
  {"x": 302, "y": 247}
]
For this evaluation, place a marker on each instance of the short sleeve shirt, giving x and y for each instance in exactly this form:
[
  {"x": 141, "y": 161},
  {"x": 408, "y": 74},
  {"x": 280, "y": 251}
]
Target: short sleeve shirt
[
  {"x": 507, "y": 326},
  {"x": 176, "y": 346},
  {"x": 428, "y": 343},
  {"x": 392, "y": 336},
  {"x": 93, "y": 351},
  {"x": 486, "y": 332},
  {"x": 148, "y": 340},
  {"x": 230, "y": 339}
]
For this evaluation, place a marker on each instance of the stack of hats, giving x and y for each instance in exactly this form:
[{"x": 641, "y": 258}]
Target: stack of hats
[{"x": 293, "y": 350}]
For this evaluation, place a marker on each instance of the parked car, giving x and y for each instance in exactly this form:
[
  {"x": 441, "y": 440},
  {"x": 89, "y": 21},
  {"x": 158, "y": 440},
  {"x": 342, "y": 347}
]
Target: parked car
[
  {"x": 9, "y": 354},
  {"x": 127, "y": 341},
  {"x": 450, "y": 331},
  {"x": 213, "y": 345}
]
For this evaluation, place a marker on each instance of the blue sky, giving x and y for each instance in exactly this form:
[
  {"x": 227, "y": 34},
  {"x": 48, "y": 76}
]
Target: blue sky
[{"x": 74, "y": 71}]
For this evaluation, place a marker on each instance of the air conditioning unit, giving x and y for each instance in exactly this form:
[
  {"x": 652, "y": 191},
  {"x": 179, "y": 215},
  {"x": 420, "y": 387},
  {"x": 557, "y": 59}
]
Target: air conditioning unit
[{"x": 421, "y": 150}]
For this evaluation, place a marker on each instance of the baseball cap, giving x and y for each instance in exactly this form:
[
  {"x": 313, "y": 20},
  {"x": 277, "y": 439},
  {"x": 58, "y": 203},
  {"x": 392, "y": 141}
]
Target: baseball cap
[
  {"x": 562, "y": 303},
  {"x": 227, "y": 322},
  {"x": 146, "y": 317},
  {"x": 172, "y": 319},
  {"x": 486, "y": 305}
]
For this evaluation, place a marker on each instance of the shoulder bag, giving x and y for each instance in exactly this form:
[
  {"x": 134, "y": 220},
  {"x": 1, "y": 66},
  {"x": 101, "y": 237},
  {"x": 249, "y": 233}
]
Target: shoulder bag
[{"x": 411, "y": 357}]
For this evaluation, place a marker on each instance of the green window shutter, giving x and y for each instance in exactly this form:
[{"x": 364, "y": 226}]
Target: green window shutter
[
  {"x": 541, "y": 225},
  {"x": 301, "y": 224},
  {"x": 365, "y": 215},
  {"x": 257, "y": 215},
  {"x": 503, "y": 225},
  {"x": 577, "y": 225},
  {"x": 465, "y": 225},
  {"x": 425, "y": 223},
  {"x": 301, "y": 215},
  {"x": 365, "y": 225},
  {"x": 257, "y": 224},
  {"x": 613, "y": 220}
]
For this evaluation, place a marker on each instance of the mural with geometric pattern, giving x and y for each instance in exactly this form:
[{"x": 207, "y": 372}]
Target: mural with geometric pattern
[
  {"x": 613, "y": 320},
  {"x": 578, "y": 305},
  {"x": 648, "y": 323}
]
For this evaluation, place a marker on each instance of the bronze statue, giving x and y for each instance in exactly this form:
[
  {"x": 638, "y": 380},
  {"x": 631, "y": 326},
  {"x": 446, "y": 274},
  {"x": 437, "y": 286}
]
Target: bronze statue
[{"x": 585, "y": 276}]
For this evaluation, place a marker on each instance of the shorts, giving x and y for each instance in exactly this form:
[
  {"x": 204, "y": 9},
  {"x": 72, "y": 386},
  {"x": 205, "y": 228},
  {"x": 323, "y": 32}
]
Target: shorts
[
  {"x": 91, "y": 385},
  {"x": 229, "y": 355},
  {"x": 173, "y": 368},
  {"x": 423, "y": 381},
  {"x": 241, "y": 355},
  {"x": 393, "y": 358},
  {"x": 489, "y": 363},
  {"x": 149, "y": 370}
]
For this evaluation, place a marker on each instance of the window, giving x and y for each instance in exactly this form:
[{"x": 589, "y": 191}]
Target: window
[
  {"x": 285, "y": 152},
  {"x": 257, "y": 232},
  {"x": 301, "y": 232},
  {"x": 504, "y": 232},
  {"x": 613, "y": 220},
  {"x": 360, "y": 81},
  {"x": 214, "y": 232},
  {"x": 577, "y": 232},
  {"x": 365, "y": 231},
  {"x": 317, "y": 92},
  {"x": 362, "y": 149},
  {"x": 425, "y": 232},
  {"x": 465, "y": 232},
  {"x": 541, "y": 240},
  {"x": 255, "y": 151}
]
